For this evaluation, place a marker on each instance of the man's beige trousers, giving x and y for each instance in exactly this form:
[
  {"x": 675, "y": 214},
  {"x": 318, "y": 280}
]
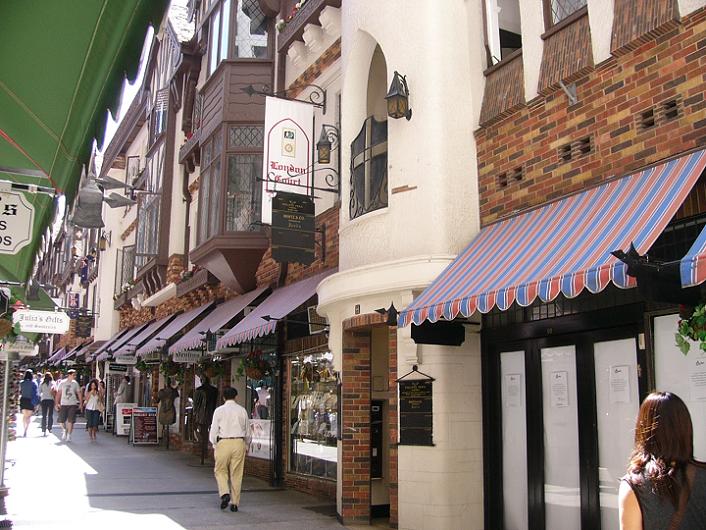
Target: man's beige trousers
[{"x": 230, "y": 460}]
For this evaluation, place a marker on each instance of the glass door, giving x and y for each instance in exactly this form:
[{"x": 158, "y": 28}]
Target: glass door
[
  {"x": 617, "y": 403},
  {"x": 562, "y": 492},
  {"x": 514, "y": 440}
]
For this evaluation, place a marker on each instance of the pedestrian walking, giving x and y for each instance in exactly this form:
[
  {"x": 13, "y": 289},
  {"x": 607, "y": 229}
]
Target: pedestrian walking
[
  {"x": 47, "y": 394},
  {"x": 70, "y": 399},
  {"x": 665, "y": 488},
  {"x": 93, "y": 401},
  {"x": 29, "y": 399},
  {"x": 229, "y": 429}
]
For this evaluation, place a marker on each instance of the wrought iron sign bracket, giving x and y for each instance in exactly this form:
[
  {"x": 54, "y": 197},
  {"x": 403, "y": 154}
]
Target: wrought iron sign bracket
[
  {"x": 415, "y": 370},
  {"x": 317, "y": 97}
]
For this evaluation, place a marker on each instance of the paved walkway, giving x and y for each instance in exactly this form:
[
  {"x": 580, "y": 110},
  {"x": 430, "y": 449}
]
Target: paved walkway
[{"x": 110, "y": 484}]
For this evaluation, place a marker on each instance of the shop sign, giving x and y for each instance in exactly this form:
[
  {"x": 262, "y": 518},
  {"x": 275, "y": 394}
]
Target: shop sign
[
  {"x": 21, "y": 346},
  {"x": 143, "y": 427},
  {"x": 112, "y": 367},
  {"x": 16, "y": 222},
  {"x": 190, "y": 357},
  {"x": 293, "y": 228},
  {"x": 35, "y": 321},
  {"x": 125, "y": 359},
  {"x": 152, "y": 357},
  {"x": 84, "y": 324},
  {"x": 416, "y": 412},
  {"x": 288, "y": 161}
]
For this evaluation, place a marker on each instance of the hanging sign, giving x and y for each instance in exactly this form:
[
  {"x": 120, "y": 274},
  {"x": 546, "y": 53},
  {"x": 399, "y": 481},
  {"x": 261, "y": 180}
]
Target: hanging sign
[
  {"x": 416, "y": 412},
  {"x": 188, "y": 356},
  {"x": 56, "y": 322},
  {"x": 16, "y": 222},
  {"x": 83, "y": 326},
  {"x": 293, "y": 228},
  {"x": 126, "y": 359},
  {"x": 73, "y": 300},
  {"x": 288, "y": 151}
]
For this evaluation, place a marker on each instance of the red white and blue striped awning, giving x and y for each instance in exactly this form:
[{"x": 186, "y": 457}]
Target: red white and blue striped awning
[
  {"x": 562, "y": 247},
  {"x": 693, "y": 266}
]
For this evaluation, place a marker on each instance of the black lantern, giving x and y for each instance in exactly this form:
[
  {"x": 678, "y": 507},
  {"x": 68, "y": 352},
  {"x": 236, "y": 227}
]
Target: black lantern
[
  {"x": 323, "y": 147},
  {"x": 398, "y": 98},
  {"x": 103, "y": 242}
]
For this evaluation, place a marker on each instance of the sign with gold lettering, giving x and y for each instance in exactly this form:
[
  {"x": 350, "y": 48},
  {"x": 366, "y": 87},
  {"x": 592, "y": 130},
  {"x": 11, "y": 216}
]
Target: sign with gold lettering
[
  {"x": 16, "y": 222},
  {"x": 293, "y": 228},
  {"x": 416, "y": 412}
]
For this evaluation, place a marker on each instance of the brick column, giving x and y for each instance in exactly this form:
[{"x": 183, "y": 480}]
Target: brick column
[
  {"x": 355, "y": 377},
  {"x": 392, "y": 423}
]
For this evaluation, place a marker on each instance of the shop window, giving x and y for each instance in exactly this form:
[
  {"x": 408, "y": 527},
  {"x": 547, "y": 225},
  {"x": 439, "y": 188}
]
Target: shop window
[
  {"x": 504, "y": 34},
  {"x": 314, "y": 420},
  {"x": 369, "y": 168},
  {"x": 259, "y": 402},
  {"x": 557, "y": 10}
]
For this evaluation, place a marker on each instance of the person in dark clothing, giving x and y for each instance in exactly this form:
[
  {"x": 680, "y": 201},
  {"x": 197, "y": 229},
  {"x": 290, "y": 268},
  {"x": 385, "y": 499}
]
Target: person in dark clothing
[
  {"x": 665, "y": 488},
  {"x": 29, "y": 399}
]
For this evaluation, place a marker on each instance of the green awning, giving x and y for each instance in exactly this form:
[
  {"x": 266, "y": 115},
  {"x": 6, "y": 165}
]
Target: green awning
[
  {"x": 61, "y": 67},
  {"x": 38, "y": 299}
]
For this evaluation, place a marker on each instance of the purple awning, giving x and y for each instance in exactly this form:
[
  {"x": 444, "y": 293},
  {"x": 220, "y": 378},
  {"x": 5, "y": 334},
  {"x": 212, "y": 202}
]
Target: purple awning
[
  {"x": 129, "y": 347},
  {"x": 56, "y": 355},
  {"x": 215, "y": 320},
  {"x": 120, "y": 342},
  {"x": 278, "y": 305},
  {"x": 103, "y": 349},
  {"x": 174, "y": 327}
]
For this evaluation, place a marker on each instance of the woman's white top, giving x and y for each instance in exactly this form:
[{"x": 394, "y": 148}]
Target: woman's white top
[
  {"x": 46, "y": 391},
  {"x": 92, "y": 401}
]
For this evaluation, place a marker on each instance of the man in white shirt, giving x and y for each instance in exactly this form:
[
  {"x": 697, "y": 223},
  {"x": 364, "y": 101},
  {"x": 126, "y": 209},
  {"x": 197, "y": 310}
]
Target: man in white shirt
[
  {"x": 229, "y": 430},
  {"x": 68, "y": 402}
]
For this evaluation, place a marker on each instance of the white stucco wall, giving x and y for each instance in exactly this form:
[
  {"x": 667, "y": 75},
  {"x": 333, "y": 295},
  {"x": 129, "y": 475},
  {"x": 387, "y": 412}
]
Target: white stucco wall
[
  {"x": 687, "y": 7},
  {"x": 178, "y": 205}
]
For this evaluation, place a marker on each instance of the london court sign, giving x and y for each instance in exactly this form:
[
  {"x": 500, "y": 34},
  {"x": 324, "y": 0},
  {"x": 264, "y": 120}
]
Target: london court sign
[{"x": 16, "y": 222}]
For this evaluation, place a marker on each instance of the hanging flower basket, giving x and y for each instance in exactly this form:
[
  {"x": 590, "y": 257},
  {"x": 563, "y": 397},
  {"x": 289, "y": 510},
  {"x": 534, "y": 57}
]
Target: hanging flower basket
[
  {"x": 210, "y": 368},
  {"x": 692, "y": 327},
  {"x": 254, "y": 365}
]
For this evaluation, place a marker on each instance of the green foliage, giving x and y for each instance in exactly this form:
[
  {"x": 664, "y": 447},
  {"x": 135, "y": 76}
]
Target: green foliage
[{"x": 692, "y": 328}]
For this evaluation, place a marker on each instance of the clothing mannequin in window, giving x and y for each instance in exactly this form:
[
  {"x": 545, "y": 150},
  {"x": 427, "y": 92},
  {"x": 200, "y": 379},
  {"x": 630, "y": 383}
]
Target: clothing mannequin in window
[{"x": 166, "y": 398}]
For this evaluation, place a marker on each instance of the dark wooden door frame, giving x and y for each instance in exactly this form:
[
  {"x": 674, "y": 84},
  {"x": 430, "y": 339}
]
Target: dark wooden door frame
[{"x": 630, "y": 324}]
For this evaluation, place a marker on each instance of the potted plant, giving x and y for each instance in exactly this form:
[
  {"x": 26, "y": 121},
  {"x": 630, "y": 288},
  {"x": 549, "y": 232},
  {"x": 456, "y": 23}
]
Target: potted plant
[
  {"x": 692, "y": 326},
  {"x": 254, "y": 365}
]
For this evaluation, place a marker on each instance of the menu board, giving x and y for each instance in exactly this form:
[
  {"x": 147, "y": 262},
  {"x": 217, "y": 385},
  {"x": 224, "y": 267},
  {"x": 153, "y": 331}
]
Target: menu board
[
  {"x": 143, "y": 430},
  {"x": 416, "y": 412}
]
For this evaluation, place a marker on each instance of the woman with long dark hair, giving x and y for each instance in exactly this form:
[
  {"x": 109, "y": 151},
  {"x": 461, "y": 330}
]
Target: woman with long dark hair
[
  {"x": 28, "y": 399},
  {"x": 47, "y": 393},
  {"x": 665, "y": 488},
  {"x": 93, "y": 398}
]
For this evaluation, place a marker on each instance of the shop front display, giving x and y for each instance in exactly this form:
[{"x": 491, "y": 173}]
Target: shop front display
[
  {"x": 259, "y": 399},
  {"x": 314, "y": 416}
]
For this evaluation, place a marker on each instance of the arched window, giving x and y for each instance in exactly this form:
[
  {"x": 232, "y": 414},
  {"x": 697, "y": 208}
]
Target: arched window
[{"x": 369, "y": 148}]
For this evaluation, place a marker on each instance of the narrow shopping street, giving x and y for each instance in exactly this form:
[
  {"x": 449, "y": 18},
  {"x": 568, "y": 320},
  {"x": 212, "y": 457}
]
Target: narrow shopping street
[{"x": 110, "y": 484}]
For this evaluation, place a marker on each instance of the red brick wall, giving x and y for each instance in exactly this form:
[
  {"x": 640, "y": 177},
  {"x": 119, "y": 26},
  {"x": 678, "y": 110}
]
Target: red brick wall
[{"x": 666, "y": 67}]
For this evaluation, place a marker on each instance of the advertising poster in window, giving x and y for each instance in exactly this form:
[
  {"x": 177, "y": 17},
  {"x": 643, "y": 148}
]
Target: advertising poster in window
[
  {"x": 260, "y": 439},
  {"x": 288, "y": 151}
]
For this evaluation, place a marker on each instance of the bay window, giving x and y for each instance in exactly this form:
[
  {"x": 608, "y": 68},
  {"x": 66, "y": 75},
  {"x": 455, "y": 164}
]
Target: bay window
[
  {"x": 369, "y": 168},
  {"x": 238, "y": 29},
  {"x": 148, "y": 207},
  {"x": 229, "y": 191}
]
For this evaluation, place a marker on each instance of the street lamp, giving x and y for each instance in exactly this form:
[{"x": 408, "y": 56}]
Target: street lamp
[
  {"x": 329, "y": 135},
  {"x": 398, "y": 98}
]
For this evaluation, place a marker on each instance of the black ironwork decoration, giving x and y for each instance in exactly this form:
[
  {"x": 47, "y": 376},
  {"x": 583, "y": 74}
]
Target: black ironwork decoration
[
  {"x": 416, "y": 409},
  {"x": 316, "y": 97}
]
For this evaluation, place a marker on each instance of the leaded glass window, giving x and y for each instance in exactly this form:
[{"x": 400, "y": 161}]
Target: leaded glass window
[
  {"x": 560, "y": 9},
  {"x": 148, "y": 207},
  {"x": 369, "y": 168},
  {"x": 251, "y": 33},
  {"x": 243, "y": 196}
]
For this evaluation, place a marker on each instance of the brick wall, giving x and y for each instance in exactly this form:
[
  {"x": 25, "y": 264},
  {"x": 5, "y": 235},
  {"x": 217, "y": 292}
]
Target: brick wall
[
  {"x": 519, "y": 161},
  {"x": 355, "y": 379}
]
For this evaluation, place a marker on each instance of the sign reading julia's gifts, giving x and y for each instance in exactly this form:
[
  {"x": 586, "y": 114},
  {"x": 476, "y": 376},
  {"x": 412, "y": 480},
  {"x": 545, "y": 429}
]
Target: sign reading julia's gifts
[
  {"x": 16, "y": 222},
  {"x": 56, "y": 322},
  {"x": 288, "y": 151}
]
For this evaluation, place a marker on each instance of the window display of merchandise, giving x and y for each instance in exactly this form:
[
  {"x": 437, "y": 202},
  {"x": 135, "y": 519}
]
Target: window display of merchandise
[{"x": 314, "y": 418}]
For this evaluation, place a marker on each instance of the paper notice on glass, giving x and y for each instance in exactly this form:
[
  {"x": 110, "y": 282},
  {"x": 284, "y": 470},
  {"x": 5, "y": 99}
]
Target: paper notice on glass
[
  {"x": 513, "y": 390},
  {"x": 559, "y": 389},
  {"x": 697, "y": 379},
  {"x": 619, "y": 384}
]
